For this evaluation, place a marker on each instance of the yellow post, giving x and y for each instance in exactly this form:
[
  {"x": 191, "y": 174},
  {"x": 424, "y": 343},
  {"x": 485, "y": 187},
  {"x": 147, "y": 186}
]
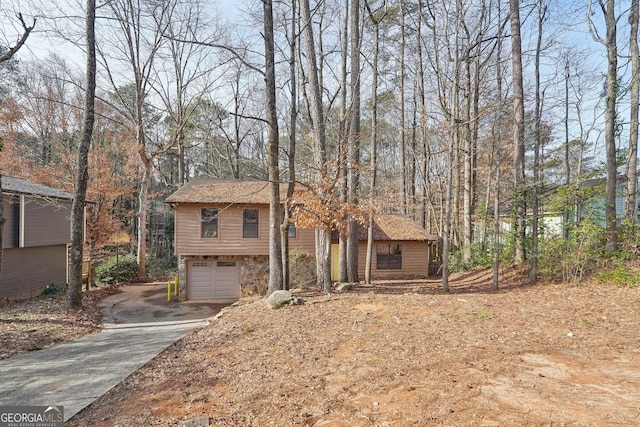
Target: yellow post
[
  {"x": 175, "y": 286},
  {"x": 169, "y": 290}
]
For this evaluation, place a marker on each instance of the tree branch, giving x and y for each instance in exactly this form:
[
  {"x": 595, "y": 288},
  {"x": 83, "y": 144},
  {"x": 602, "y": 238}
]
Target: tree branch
[{"x": 27, "y": 30}]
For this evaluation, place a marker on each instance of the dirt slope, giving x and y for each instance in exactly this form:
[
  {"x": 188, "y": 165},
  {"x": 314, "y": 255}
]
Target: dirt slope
[{"x": 400, "y": 355}]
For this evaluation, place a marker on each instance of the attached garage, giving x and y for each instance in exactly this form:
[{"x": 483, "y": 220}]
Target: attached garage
[{"x": 215, "y": 280}]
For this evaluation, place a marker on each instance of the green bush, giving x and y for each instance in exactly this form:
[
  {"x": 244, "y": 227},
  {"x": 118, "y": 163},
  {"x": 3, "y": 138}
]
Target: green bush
[
  {"x": 117, "y": 270},
  {"x": 54, "y": 290},
  {"x": 568, "y": 260},
  {"x": 161, "y": 267},
  {"x": 621, "y": 275}
]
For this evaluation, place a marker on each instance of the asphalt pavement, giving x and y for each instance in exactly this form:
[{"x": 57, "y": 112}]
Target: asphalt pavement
[{"x": 139, "y": 323}]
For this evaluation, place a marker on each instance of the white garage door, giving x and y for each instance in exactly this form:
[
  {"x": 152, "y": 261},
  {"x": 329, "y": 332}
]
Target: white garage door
[{"x": 213, "y": 280}]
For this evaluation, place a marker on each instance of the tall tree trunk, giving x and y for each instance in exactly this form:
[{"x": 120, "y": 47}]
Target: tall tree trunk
[
  {"x": 467, "y": 169},
  {"x": 453, "y": 143},
  {"x": 403, "y": 143},
  {"x": 74, "y": 292},
  {"x": 518, "y": 132},
  {"x": 537, "y": 175},
  {"x": 293, "y": 119},
  {"x": 498, "y": 155},
  {"x": 632, "y": 162},
  {"x": 567, "y": 163},
  {"x": 422, "y": 108},
  {"x": 275, "y": 248},
  {"x": 374, "y": 138},
  {"x": 323, "y": 236},
  {"x": 354, "y": 142},
  {"x": 143, "y": 199},
  {"x": 610, "y": 127},
  {"x": 344, "y": 136}
]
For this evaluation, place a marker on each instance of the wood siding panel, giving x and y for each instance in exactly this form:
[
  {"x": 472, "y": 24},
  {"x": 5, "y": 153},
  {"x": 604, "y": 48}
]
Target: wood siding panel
[
  {"x": 46, "y": 223},
  {"x": 11, "y": 214},
  {"x": 229, "y": 240},
  {"x": 305, "y": 240},
  {"x": 414, "y": 260},
  {"x": 27, "y": 271}
]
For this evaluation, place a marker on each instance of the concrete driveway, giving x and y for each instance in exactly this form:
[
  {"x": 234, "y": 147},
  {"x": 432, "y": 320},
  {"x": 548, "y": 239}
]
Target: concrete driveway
[{"x": 139, "y": 323}]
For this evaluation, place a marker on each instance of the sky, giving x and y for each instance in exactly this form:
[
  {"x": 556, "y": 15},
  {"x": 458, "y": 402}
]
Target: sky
[{"x": 42, "y": 42}]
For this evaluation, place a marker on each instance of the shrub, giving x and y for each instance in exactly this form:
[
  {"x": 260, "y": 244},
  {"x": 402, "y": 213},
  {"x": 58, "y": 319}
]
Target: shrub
[
  {"x": 568, "y": 260},
  {"x": 621, "y": 275},
  {"x": 161, "y": 267},
  {"x": 54, "y": 290},
  {"x": 117, "y": 270}
]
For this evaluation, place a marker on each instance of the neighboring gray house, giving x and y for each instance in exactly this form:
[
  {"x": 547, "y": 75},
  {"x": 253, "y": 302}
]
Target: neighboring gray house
[{"x": 35, "y": 237}]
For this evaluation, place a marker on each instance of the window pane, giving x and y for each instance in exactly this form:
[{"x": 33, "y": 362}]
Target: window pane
[
  {"x": 389, "y": 257},
  {"x": 250, "y": 223},
  {"x": 382, "y": 249},
  {"x": 382, "y": 262},
  {"x": 209, "y": 222},
  {"x": 395, "y": 257},
  {"x": 226, "y": 263}
]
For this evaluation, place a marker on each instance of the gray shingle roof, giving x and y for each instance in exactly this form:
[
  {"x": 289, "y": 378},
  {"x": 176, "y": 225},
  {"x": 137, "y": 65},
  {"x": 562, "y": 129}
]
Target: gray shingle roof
[{"x": 15, "y": 185}]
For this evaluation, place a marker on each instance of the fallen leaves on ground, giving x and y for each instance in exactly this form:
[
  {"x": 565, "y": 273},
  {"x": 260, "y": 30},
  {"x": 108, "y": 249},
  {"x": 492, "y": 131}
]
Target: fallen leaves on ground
[
  {"x": 400, "y": 354},
  {"x": 44, "y": 321}
]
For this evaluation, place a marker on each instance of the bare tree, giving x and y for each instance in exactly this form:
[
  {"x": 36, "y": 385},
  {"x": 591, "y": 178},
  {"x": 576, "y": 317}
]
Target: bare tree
[
  {"x": 610, "y": 42},
  {"x": 275, "y": 248},
  {"x": 518, "y": 131},
  {"x": 353, "y": 146},
  {"x": 183, "y": 74},
  {"x": 3, "y": 58},
  {"x": 138, "y": 35},
  {"x": 291, "y": 154},
  {"x": 632, "y": 154},
  {"x": 323, "y": 235},
  {"x": 537, "y": 174},
  {"x": 74, "y": 293},
  {"x": 375, "y": 18},
  {"x": 497, "y": 126}
]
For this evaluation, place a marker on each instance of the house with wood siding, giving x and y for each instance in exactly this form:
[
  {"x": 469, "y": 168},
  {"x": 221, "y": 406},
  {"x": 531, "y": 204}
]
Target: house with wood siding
[
  {"x": 222, "y": 240},
  {"x": 35, "y": 237}
]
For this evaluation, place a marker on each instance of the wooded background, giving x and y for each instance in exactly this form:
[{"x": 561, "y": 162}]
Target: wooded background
[{"x": 464, "y": 114}]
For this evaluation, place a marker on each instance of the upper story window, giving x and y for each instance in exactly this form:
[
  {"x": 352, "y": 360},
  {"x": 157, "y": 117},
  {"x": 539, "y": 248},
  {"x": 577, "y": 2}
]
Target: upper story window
[
  {"x": 250, "y": 223},
  {"x": 389, "y": 257},
  {"x": 209, "y": 222}
]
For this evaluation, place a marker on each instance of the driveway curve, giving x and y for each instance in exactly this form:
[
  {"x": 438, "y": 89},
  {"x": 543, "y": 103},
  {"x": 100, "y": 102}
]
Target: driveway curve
[{"x": 139, "y": 323}]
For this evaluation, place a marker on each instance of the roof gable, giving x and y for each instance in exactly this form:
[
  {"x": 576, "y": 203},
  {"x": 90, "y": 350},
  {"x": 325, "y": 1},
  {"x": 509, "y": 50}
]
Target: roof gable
[
  {"x": 223, "y": 191},
  {"x": 22, "y": 186}
]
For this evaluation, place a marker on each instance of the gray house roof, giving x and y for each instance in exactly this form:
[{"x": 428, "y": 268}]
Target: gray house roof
[{"x": 14, "y": 185}]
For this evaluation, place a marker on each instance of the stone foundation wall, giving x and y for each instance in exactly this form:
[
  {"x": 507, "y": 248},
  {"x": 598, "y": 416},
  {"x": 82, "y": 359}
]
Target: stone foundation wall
[
  {"x": 254, "y": 272},
  {"x": 254, "y": 275}
]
